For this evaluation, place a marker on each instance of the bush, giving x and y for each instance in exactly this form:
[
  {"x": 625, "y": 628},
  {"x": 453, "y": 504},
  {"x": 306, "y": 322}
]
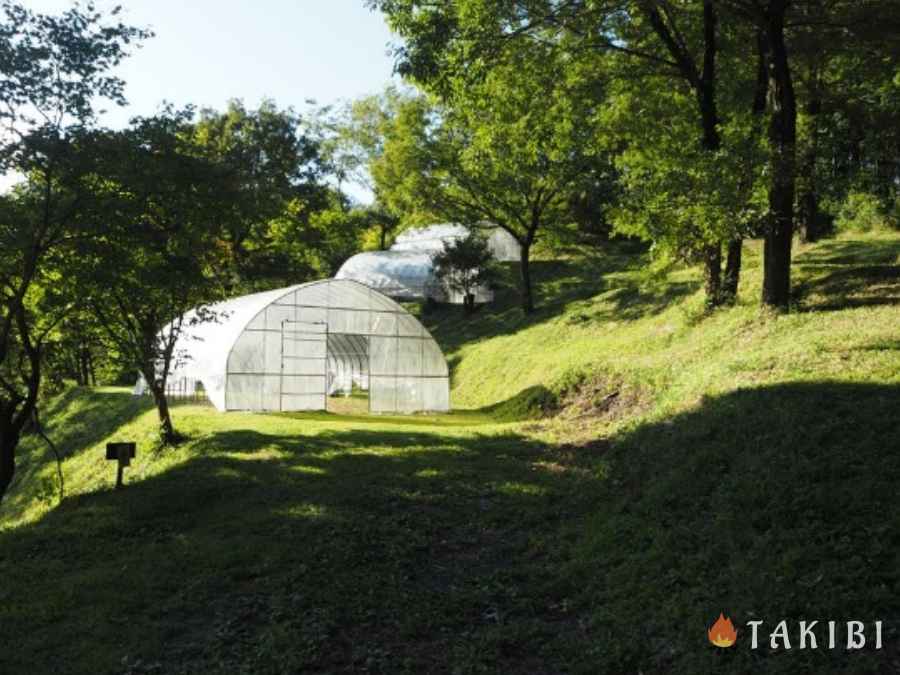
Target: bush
[{"x": 864, "y": 212}]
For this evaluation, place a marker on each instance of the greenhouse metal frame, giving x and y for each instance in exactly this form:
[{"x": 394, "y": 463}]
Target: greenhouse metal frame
[{"x": 288, "y": 349}]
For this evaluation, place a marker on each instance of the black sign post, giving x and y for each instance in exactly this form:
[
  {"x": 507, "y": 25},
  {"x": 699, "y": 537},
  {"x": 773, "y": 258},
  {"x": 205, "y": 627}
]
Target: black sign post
[{"x": 123, "y": 453}]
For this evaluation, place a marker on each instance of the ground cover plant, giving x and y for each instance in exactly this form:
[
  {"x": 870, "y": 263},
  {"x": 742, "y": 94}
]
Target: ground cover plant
[{"x": 622, "y": 467}]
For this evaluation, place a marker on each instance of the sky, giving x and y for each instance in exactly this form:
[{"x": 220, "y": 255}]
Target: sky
[{"x": 206, "y": 52}]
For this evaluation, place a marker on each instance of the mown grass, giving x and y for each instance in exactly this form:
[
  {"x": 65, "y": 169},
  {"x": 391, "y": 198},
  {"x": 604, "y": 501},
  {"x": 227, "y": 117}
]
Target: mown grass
[{"x": 738, "y": 462}]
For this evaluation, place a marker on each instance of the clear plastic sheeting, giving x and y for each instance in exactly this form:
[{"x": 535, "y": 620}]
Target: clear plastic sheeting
[
  {"x": 406, "y": 271},
  {"x": 432, "y": 239},
  {"x": 289, "y": 349},
  {"x": 399, "y": 274}
]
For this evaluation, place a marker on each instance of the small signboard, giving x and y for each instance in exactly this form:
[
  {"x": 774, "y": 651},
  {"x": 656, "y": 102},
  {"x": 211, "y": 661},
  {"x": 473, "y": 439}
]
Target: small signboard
[
  {"x": 124, "y": 450},
  {"x": 123, "y": 453}
]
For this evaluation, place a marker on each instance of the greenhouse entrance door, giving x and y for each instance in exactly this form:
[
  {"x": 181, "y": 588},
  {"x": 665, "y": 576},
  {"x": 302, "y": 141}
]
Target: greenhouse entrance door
[
  {"x": 348, "y": 373},
  {"x": 304, "y": 366}
]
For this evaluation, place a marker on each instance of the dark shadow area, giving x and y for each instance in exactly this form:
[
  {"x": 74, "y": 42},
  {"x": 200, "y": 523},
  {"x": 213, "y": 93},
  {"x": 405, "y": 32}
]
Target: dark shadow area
[
  {"x": 530, "y": 403},
  {"x": 284, "y": 554},
  {"x": 846, "y": 274},
  {"x": 414, "y": 552},
  {"x": 633, "y": 302},
  {"x": 775, "y": 503},
  {"x": 851, "y": 252},
  {"x": 881, "y": 346}
]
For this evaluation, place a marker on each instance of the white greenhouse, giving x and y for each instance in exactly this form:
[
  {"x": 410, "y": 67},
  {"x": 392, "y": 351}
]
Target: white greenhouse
[
  {"x": 288, "y": 349},
  {"x": 406, "y": 271}
]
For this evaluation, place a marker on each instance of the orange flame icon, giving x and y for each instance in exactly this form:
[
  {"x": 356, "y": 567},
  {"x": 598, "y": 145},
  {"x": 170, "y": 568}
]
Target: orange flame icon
[{"x": 722, "y": 632}]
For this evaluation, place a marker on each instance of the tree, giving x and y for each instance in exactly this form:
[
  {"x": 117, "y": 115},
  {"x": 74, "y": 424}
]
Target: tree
[
  {"x": 276, "y": 170},
  {"x": 76, "y": 351},
  {"x": 158, "y": 255},
  {"x": 491, "y": 155},
  {"x": 319, "y": 242},
  {"x": 53, "y": 68},
  {"x": 353, "y": 140},
  {"x": 848, "y": 111},
  {"x": 466, "y": 265},
  {"x": 680, "y": 41}
]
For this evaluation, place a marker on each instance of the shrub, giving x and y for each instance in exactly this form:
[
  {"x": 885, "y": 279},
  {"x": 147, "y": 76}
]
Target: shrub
[{"x": 864, "y": 212}]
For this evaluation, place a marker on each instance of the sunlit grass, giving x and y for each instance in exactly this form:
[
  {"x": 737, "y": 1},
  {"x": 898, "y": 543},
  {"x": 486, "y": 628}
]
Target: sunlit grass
[{"x": 694, "y": 463}]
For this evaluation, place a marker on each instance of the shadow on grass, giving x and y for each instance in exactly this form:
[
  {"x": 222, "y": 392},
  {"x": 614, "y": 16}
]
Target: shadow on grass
[
  {"x": 845, "y": 274},
  {"x": 557, "y": 285},
  {"x": 530, "y": 403},
  {"x": 345, "y": 551},
  {"x": 775, "y": 503},
  {"x": 632, "y": 302},
  {"x": 881, "y": 346},
  {"x": 398, "y": 551}
]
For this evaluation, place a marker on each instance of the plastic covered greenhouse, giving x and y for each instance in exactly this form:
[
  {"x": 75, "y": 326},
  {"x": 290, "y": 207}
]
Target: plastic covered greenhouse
[
  {"x": 406, "y": 271},
  {"x": 431, "y": 239},
  {"x": 288, "y": 349}
]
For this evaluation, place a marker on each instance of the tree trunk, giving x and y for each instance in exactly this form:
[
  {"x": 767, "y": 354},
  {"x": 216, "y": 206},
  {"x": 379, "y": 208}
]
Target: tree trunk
[
  {"x": 9, "y": 440},
  {"x": 11, "y": 424},
  {"x": 808, "y": 214},
  {"x": 712, "y": 257},
  {"x": 732, "y": 272},
  {"x": 525, "y": 272},
  {"x": 782, "y": 142},
  {"x": 469, "y": 303},
  {"x": 808, "y": 200},
  {"x": 92, "y": 370},
  {"x": 711, "y": 141},
  {"x": 167, "y": 433},
  {"x": 15, "y": 412},
  {"x": 83, "y": 365}
]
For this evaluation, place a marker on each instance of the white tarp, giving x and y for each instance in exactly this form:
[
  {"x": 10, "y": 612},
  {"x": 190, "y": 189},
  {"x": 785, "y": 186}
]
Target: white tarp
[
  {"x": 287, "y": 349},
  {"x": 406, "y": 271}
]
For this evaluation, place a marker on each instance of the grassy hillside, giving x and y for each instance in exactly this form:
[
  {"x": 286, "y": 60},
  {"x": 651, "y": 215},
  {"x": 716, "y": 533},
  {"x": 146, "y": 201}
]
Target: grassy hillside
[
  {"x": 692, "y": 464},
  {"x": 602, "y": 315}
]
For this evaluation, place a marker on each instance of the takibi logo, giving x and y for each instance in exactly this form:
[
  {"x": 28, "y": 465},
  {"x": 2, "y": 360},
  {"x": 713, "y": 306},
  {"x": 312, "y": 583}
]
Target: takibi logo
[
  {"x": 831, "y": 633},
  {"x": 722, "y": 632}
]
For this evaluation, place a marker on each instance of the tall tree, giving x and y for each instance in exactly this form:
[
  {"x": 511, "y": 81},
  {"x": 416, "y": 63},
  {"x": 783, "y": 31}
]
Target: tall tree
[
  {"x": 679, "y": 40},
  {"x": 158, "y": 255},
  {"x": 276, "y": 172},
  {"x": 679, "y": 43},
  {"x": 492, "y": 155},
  {"x": 52, "y": 70}
]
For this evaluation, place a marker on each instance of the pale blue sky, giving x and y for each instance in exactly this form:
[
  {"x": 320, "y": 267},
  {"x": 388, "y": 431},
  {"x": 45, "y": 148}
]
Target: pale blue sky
[{"x": 208, "y": 51}]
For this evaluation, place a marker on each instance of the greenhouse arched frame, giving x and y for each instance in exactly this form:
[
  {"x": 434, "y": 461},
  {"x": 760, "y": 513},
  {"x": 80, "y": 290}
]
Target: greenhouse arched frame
[{"x": 288, "y": 349}]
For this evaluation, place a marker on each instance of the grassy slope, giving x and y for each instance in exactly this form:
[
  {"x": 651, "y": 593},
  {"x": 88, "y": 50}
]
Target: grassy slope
[{"x": 745, "y": 463}]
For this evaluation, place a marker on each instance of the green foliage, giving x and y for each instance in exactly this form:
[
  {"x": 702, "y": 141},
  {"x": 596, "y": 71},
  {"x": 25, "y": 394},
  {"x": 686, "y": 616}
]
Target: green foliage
[
  {"x": 323, "y": 240},
  {"x": 275, "y": 169},
  {"x": 864, "y": 212},
  {"x": 402, "y": 542},
  {"x": 54, "y": 70},
  {"x": 156, "y": 256},
  {"x": 486, "y": 153},
  {"x": 465, "y": 265},
  {"x": 676, "y": 194}
]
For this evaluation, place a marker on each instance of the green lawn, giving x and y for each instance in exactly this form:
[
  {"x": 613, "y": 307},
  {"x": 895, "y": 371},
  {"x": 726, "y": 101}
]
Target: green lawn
[{"x": 692, "y": 464}]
